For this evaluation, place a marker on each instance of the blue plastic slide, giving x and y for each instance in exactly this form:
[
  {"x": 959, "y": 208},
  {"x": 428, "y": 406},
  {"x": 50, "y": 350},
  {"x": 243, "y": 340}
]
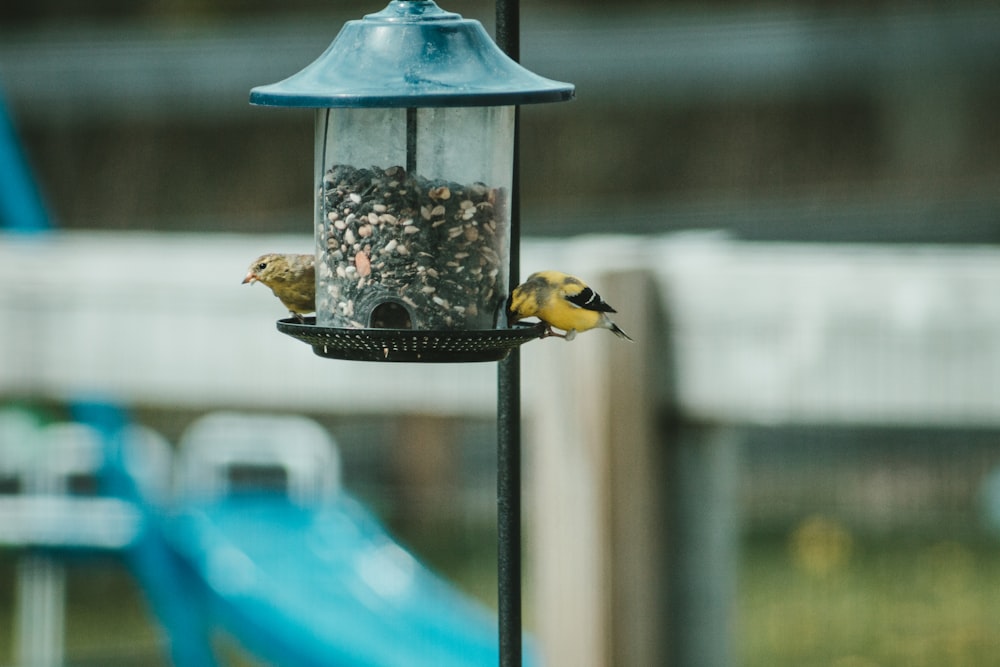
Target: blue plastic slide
[{"x": 262, "y": 543}]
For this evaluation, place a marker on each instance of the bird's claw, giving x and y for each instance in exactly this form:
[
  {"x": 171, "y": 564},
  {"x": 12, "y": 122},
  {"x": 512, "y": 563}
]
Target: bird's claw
[{"x": 548, "y": 332}]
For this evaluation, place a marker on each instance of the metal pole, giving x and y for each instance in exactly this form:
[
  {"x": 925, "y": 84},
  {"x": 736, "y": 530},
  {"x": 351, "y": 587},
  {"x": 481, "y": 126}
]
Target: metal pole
[
  {"x": 509, "y": 511},
  {"x": 509, "y": 402}
]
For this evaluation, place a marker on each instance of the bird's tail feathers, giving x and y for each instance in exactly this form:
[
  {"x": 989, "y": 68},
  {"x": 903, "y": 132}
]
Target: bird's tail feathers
[
  {"x": 618, "y": 332},
  {"x": 606, "y": 322}
]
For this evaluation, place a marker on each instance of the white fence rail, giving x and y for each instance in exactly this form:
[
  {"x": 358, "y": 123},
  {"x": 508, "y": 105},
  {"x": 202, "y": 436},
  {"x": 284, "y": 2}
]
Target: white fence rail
[{"x": 757, "y": 332}]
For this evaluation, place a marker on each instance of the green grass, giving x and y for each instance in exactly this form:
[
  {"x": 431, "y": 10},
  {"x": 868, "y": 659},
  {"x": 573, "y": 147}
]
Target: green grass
[
  {"x": 107, "y": 619},
  {"x": 884, "y": 603},
  {"x": 819, "y": 597}
]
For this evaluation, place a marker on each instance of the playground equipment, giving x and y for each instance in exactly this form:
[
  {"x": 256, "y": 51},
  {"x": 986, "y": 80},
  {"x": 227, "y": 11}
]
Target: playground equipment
[{"x": 257, "y": 540}]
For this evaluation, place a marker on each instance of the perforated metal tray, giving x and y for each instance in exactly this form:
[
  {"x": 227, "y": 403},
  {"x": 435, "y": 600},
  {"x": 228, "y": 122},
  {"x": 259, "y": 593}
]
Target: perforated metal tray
[{"x": 410, "y": 344}]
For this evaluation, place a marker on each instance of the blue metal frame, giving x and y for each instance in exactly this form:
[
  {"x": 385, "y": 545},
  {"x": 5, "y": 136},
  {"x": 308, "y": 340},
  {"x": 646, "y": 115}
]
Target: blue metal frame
[{"x": 21, "y": 207}]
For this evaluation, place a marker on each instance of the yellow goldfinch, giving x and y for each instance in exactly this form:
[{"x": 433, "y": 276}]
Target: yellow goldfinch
[
  {"x": 292, "y": 278},
  {"x": 564, "y": 302}
]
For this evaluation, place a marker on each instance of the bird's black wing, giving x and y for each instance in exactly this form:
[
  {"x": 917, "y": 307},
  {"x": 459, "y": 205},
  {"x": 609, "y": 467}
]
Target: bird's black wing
[{"x": 590, "y": 300}]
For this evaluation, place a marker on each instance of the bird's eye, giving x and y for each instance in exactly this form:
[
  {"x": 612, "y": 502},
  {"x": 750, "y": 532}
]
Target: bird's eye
[{"x": 262, "y": 266}]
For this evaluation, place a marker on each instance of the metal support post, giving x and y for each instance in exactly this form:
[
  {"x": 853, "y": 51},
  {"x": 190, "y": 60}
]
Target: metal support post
[{"x": 509, "y": 403}]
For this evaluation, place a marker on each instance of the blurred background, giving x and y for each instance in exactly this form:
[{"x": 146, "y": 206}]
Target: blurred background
[{"x": 839, "y": 161}]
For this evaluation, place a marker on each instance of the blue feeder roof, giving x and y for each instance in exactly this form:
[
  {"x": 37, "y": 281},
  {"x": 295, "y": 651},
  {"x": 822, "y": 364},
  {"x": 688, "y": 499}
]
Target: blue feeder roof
[{"x": 412, "y": 54}]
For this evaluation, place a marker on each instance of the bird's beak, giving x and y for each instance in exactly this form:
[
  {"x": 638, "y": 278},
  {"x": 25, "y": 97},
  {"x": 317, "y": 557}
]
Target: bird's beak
[{"x": 251, "y": 278}]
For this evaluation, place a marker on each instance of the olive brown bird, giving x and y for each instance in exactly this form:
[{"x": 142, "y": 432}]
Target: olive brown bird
[{"x": 291, "y": 277}]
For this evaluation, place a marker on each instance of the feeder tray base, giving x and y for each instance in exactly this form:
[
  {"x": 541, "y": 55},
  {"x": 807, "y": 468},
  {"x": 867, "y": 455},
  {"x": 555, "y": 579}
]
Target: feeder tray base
[{"x": 410, "y": 344}]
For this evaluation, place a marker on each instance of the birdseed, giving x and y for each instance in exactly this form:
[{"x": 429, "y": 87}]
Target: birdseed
[{"x": 428, "y": 251}]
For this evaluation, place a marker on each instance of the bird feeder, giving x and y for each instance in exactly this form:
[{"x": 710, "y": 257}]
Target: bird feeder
[{"x": 415, "y": 118}]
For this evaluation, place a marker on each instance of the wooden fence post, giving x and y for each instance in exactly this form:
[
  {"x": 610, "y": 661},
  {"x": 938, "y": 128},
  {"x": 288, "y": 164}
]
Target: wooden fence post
[
  {"x": 703, "y": 545},
  {"x": 597, "y": 512}
]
